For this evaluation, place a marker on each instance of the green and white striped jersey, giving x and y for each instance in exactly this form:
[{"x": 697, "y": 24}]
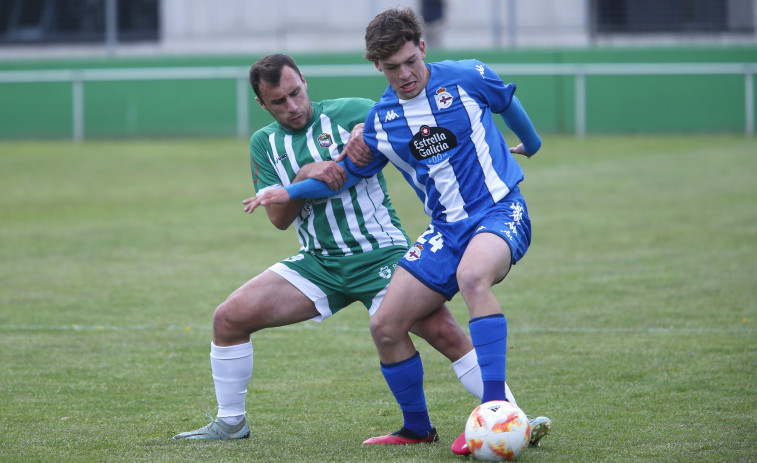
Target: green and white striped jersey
[{"x": 357, "y": 220}]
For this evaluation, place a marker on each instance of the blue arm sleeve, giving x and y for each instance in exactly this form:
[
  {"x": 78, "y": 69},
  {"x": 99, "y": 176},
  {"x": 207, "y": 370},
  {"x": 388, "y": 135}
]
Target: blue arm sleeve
[
  {"x": 312, "y": 188},
  {"x": 517, "y": 120}
]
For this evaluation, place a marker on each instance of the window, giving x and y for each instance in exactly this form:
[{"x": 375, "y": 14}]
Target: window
[
  {"x": 76, "y": 21},
  {"x": 673, "y": 16}
]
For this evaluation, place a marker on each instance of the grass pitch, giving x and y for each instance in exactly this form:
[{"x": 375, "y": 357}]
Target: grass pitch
[{"x": 632, "y": 317}]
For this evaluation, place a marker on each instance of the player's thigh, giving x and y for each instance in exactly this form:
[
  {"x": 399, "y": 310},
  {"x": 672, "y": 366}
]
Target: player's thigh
[
  {"x": 266, "y": 301},
  {"x": 487, "y": 260},
  {"x": 407, "y": 300},
  {"x": 501, "y": 238}
]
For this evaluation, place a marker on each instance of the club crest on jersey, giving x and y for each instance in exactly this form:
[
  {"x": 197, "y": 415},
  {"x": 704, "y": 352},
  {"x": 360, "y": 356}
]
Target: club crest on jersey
[
  {"x": 431, "y": 144},
  {"x": 443, "y": 98},
  {"x": 414, "y": 253},
  {"x": 324, "y": 140}
]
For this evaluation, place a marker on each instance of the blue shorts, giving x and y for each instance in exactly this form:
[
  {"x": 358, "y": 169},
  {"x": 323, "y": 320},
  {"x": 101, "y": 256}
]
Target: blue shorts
[{"x": 434, "y": 257}]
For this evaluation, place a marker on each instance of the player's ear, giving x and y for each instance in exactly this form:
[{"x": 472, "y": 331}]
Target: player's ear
[
  {"x": 422, "y": 48},
  {"x": 376, "y": 63},
  {"x": 305, "y": 82},
  {"x": 262, "y": 105}
]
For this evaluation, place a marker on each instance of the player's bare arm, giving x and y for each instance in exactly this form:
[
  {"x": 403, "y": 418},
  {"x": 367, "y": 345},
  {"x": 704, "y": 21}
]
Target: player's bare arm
[
  {"x": 281, "y": 210},
  {"x": 269, "y": 198},
  {"x": 282, "y": 215}
]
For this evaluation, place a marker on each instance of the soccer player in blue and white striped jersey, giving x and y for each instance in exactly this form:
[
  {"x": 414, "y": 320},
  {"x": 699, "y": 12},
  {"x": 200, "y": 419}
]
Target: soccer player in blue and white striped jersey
[{"x": 435, "y": 123}]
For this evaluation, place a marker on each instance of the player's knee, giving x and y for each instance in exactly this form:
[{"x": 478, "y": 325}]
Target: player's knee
[
  {"x": 376, "y": 328},
  {"x": 221, "y": 321},
  {"x": 383, "y": 333},
  {"x": 472, "y": 280},
  {"x": 225, "y": 321}
]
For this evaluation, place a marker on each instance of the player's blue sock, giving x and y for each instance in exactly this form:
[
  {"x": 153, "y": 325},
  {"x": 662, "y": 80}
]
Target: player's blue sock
[
  {"x": 405, "y": 380},
  {"x": 489, "y": 336}
]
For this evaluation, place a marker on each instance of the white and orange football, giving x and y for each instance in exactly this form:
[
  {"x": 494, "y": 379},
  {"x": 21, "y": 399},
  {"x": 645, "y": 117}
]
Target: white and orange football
[{"x": 497, "y": 431}]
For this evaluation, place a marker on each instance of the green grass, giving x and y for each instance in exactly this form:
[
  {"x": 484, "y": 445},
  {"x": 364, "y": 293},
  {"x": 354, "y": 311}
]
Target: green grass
[{"x": 632, "y": 317}]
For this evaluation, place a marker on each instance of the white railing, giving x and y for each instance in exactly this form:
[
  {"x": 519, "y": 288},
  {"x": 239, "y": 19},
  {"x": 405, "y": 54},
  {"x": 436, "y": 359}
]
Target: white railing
[{"x": 240, "y": 74}]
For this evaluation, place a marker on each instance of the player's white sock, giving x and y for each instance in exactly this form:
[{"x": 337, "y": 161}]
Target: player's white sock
[
  {"x": 232, "y": 370},
  {"x": 469, "y": 373}
]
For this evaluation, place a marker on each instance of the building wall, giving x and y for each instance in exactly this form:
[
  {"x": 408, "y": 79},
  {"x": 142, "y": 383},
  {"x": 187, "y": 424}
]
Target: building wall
[
  {"x": 337, "y": 25},
  {"x": 191, "y": 27}
]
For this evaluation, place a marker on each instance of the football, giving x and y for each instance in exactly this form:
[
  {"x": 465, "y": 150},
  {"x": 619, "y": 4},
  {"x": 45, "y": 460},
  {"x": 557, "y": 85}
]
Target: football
[{"x": 497, "y": 431}]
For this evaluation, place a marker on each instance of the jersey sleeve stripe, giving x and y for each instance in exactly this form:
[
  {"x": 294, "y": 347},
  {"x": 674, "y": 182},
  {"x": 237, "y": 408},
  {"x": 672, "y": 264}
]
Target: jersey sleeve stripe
[{"x": 279, "y": 167}]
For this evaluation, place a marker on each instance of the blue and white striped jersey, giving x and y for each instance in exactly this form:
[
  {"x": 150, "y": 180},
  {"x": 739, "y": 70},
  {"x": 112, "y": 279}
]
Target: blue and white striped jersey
[{"x": 445, "y": 141}]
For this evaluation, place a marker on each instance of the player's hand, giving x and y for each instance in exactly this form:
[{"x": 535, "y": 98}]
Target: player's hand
[
  {"x": 273, "y": 196},
  {"x": 520, "y": 150},
  {"x": 358, "y": 152},
  {"x": 328, "y": 172}
]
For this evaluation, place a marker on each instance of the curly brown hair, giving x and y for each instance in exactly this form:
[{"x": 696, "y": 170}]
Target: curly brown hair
[{"x": 389, "y": 31}]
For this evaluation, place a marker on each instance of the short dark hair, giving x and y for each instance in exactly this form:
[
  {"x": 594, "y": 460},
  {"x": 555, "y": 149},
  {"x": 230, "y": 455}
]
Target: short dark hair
[
  {"x": 268, "y": 69},
  {"x": 389, "y": 31}
]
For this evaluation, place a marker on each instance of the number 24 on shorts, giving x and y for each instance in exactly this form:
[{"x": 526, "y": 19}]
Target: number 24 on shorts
[{"x": 436, "y": 241}]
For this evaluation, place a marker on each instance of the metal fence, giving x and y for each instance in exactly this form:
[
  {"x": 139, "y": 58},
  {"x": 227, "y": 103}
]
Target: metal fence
[{"x": 579, "y": 72}]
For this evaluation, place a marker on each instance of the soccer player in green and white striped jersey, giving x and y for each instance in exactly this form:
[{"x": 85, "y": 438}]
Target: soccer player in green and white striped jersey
[
  {"x": 358, "y": 220},
  {"x": 350, "y": 242}
]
